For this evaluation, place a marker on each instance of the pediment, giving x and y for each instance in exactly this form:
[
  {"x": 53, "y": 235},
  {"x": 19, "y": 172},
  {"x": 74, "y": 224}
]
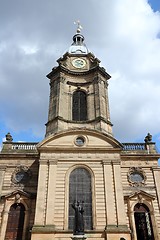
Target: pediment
[
  {"x": 17, "y": 193},
  {"x": 138, "y": 195},
  {"x": 68, "y": 140}
]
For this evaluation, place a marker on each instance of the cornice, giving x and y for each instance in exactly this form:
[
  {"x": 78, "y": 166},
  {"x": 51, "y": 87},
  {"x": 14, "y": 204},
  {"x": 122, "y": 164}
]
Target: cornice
[
  {"x": 10, "y": 155},
  {"x": 80, "y": 122},
  {"x": 60, "y": 68},
  {"x": 139, "y": 155}
]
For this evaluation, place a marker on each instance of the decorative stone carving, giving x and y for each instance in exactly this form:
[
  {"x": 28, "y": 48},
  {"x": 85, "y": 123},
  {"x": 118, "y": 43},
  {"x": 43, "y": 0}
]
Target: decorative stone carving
[
  {"x": 62, "y": 79},
  {"x": 136, "y": 176},
  {"x": 21, "y": 175},
  {"x": 140, "y": 198},
  {"x": 17, "y": 198}
]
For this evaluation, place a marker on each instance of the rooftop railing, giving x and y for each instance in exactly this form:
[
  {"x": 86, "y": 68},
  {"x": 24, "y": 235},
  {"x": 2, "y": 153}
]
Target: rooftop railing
[
  {"x": 134, "y": 146},
  {"x": 19, "y": 147},
  {"x": 24, "y": 145}
]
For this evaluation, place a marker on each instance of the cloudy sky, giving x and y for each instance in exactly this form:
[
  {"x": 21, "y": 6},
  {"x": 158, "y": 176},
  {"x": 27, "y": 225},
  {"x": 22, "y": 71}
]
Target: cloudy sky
[{"x": 123, "y": 34}]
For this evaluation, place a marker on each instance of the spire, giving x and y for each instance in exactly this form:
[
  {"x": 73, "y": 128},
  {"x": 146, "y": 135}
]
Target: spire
[{"x": 78, "y": 46}]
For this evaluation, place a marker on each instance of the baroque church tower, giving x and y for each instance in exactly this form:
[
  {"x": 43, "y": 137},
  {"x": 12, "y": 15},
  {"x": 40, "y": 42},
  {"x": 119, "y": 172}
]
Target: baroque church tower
[
  {"x": 78, "y": 92},
  {"x": 79, "y": 160}
]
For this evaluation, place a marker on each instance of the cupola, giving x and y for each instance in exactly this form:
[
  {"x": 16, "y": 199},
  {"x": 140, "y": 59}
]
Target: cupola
[{"x": 78, "y": 46}]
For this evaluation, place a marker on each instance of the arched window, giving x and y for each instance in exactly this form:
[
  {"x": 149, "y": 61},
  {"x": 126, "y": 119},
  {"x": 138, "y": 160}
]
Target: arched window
[
  {"x": 79, "y": 106},
  {"x": 15, "y": 222},
  {"x": 80, "y": 190},
  {"x": 143, "y": 222}
]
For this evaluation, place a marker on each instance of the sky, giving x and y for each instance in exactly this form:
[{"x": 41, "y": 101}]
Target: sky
[{"x": 123, "y": 34}]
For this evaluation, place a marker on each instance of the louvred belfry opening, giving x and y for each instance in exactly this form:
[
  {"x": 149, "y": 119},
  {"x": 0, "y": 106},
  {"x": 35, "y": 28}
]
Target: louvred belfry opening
[{"x": 79, "y": 108}]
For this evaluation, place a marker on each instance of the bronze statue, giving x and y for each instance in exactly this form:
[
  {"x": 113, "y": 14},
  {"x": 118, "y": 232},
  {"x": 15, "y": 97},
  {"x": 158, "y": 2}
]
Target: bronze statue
[{"x": 78, "y": 220}]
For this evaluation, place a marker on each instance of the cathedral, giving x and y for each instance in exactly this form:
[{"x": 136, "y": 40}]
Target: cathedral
[{"x": 79, "y": 162}]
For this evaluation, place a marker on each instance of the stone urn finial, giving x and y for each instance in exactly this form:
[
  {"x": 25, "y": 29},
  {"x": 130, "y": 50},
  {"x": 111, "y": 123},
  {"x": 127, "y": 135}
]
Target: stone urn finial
[
  {"x": 148, "y": 138},
  {"x": 9, "y": 137}
]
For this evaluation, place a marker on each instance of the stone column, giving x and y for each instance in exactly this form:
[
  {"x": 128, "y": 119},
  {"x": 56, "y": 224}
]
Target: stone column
[
  {"x": 109, "y": 194},
  {"x": 41, "y": 193},
  {"x": 51, "y": 192},
  {"x": 121, "y": 214}
]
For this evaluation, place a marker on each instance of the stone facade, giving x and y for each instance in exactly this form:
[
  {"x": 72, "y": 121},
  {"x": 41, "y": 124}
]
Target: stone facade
[{"x": 35, "y": 178}]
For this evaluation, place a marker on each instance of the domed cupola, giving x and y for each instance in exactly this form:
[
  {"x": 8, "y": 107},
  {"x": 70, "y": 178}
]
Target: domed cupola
[{"x": 78, "y": 46}]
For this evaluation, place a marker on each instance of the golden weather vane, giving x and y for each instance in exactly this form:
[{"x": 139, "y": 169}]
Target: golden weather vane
[{"x": 79, "y": 26}]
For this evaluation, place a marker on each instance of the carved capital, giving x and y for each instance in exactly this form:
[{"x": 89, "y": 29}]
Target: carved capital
[{"x": 106, "y": 162}]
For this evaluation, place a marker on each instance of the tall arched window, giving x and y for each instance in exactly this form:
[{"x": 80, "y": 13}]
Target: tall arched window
[
  {"x": 80, "y": 190},
  {"x": 143, "y": 222},
  {"x": 79, "y": 106},
  {"x": 15, "y": 222}
]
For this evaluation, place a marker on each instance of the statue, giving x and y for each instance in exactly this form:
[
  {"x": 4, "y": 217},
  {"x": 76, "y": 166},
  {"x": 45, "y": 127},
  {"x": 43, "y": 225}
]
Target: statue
[{"x": 78, "y": 220}]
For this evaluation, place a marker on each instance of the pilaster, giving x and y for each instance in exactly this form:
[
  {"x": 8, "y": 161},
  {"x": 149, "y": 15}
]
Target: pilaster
[
  {"x": 2, "y": 172},
  {"x": 156, "y": 174},
  {"x": 109, "y": 193},
  {"x": 121, "y": 215},
  {"x": 51, "y": 192},
  {"x": 4, "y": 223},
  {"x": 40, "y": 215}
]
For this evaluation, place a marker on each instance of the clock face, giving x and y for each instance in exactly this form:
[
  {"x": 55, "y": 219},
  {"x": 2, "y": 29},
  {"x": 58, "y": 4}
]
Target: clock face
[{"x": 79, "y": 63}]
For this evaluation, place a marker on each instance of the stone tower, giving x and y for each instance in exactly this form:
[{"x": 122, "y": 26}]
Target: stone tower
[{"x": 78, "y": 92}]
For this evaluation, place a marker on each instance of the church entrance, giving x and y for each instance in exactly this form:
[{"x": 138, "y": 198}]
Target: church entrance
[
  {"x": 15, "y": 222},
  {"x": 143, "y": 222}
]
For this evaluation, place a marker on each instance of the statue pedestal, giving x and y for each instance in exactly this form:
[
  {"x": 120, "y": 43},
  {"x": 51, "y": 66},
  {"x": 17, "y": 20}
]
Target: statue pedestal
[{"x": 79, "y": 237}]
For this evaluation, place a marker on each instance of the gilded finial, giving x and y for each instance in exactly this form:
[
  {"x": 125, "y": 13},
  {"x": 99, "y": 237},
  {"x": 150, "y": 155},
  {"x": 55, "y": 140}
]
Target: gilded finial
[{"x": 79, "y": 26}]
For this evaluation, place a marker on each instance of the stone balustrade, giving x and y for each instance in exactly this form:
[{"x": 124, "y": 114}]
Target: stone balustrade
[
  {"x": 134, "y": 146},
  {"x": 24, "y": 145}
]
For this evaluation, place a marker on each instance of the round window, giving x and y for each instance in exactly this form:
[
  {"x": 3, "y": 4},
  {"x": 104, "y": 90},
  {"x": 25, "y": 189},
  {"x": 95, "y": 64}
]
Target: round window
[
  {"x": 80, "y": 141},
  {"x": 136, "y": 177},
  {"x": 21, "y": 177}
]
